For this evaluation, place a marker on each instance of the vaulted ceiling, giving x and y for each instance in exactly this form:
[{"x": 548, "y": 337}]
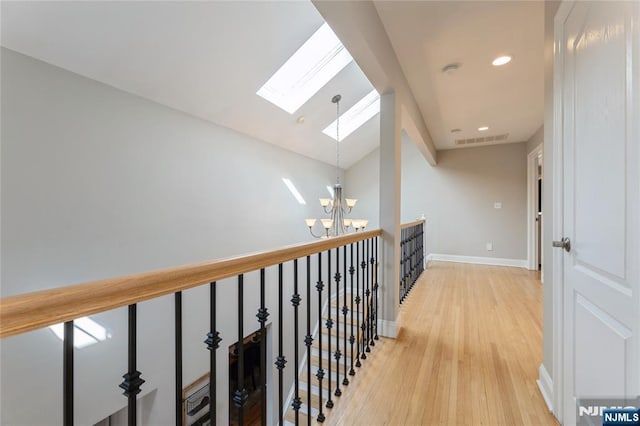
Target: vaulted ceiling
[{"x": 208, "y": 59}]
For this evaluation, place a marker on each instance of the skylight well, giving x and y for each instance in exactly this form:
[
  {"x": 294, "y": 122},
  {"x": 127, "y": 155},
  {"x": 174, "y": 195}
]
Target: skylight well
[
  {"x": 312, "y": 66},
  {"x": 356, "y": 116}
]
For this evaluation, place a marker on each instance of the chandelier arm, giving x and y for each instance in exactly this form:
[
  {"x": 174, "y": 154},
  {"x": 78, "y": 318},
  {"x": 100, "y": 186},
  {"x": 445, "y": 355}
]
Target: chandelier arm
[
  {"x": 327, "y": 211},
  {"x": 314, "y": 235}
]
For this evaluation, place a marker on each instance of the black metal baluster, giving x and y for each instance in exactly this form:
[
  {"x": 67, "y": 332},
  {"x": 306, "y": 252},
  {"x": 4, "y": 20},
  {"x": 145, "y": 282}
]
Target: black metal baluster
[
  {"x": 240, "y": 396},
  {"x": 132, "y": 380},
  {"x": 376, "y": 291},
  {"x": 358, "y": 364},
  {"x": 413, "y": 256},
  {"x": 67, "y": 374},
  {"x": 421, "y": 251},
  {"x": 352, "y": 338},
  {"x": 308, "y": 340},
  {"x": 367, "y": 336},
  {"x": 178, "y": 356},
  {"x": 345, "y": 310},
  {"x": 337, "y": 354},
  {"x": 320, "y": 372},
  {"x": 280, "y": 361},
  {"x": 401, "y": 265},
  {"x": 262, "y": 316},
  {"x": 363, "y": 326},
  {"x": 295, "y": 301},
  {"x": 329, "y": 325},
  {"x": 372, "y": 314},
  {"x": 213, "y": 343}
]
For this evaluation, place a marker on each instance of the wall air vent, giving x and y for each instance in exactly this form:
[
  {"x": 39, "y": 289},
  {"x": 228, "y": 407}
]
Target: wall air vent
[{"x": 483, "y": 139}]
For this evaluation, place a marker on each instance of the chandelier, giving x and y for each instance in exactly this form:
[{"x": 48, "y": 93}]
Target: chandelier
[{"x": 337, "y": 208}]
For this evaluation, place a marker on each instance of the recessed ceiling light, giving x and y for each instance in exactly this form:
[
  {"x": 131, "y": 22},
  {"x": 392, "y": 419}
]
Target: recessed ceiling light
[
  {"x": 365, "y": 109},
  {"x": 317, "y": 61},
  {"x": 501, "y": 60},
  {"x": 300, "y": 119},
  {"x": 483, "y": 128}
]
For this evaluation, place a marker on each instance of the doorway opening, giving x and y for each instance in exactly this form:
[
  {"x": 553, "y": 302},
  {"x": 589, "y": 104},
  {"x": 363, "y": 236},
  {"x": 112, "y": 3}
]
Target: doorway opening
[{"x": 535, "y": 210}]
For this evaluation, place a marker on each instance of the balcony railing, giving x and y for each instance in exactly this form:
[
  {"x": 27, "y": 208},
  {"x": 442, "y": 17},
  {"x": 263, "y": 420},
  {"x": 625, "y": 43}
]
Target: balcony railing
[
  {"x": 334, "y": 305},
  {"x": 412, "y": 255}
]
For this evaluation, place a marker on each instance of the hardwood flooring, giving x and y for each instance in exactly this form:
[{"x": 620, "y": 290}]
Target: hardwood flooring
[{"x": 467, "y": 353}]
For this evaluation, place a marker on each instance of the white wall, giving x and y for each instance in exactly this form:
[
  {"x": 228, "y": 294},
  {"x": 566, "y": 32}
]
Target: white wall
[
  {"x": 99, "y": 183},
  {"x": 457, "y": 197},
  {"x": 362, "y": 181}
]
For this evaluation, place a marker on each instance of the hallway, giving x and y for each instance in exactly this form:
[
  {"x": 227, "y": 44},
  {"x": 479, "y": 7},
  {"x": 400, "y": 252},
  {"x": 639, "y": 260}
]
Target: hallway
[{"x": 467, "y": 354}]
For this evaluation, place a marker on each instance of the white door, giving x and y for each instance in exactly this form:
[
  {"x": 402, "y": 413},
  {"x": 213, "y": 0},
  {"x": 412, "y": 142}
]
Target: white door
[{"x": 599, "y": 83}]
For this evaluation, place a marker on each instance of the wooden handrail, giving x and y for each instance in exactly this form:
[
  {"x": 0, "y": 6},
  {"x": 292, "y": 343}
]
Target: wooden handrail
[
  {"x": 27, "y": 312},
  {"x": 414, "y": 223}
]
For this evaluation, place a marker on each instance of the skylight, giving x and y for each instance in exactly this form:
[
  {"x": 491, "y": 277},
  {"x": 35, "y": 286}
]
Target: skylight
[
  {"x": 294, "y": 190},
  {"x": 86, "y": 332},
  {"x": 312, "y": 66},
  {"x": 356, "y": 116}
]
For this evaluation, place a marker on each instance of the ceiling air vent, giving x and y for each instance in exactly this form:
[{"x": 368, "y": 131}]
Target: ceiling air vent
[{"x": 483, "y": 139}]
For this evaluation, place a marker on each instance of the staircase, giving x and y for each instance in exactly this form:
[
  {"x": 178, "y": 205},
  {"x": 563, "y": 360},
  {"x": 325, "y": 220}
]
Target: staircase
[{"x": 334, "y": 338}]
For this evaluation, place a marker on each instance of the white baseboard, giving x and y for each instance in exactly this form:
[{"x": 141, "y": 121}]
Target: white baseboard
[
  {"x": 387, "y": 328},
  {"x": 545, "y": 384},
  {"x": 518, "y": 263}
]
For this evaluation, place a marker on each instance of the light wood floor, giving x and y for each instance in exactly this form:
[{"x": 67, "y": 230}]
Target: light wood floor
[{"x": 467, "y": 354}]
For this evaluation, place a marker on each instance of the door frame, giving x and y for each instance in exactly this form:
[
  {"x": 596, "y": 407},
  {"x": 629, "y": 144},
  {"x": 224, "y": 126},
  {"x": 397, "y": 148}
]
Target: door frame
[
  {"x": 558, "y": 209},
  {"x": 532, "y": 202}
]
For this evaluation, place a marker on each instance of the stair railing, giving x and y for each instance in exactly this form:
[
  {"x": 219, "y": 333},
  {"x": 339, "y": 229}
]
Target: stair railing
[
  {"x": 28, "y": 312},
  {"x": 412, "y": 255}
]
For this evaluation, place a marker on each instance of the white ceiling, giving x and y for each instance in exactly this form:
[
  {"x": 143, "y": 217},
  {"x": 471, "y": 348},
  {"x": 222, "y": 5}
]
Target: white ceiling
[
  {"x": 204, "y": 58},
  {"x": 428, "y": 35},
  {"x": 209, "y": 58}
]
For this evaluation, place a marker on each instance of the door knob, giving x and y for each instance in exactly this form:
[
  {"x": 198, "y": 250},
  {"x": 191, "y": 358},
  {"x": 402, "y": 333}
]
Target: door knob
[{"x": 564, "y": 243}]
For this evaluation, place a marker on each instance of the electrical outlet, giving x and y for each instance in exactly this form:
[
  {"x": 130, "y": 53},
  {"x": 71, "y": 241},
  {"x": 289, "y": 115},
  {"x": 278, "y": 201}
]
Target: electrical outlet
[
  {"x": 497, "y": 205},
  {"x": 489, "y": 246}
]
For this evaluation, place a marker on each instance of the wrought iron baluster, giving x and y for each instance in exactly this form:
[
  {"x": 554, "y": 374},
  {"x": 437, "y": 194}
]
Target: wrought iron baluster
[
  {"x": 329, "y": 325},
  {"x": 363, "y": 326},
  {"x": 308, "y": 340},
  {"x": 320, "y": 372},
  {"x": 132, "y": 380},
  {"x": 178, "y": 357},
  {"x": 345, "y": 311},
  {"x": 352, "y": 338},
  {"x": 373, "y": 294},
  {"x": 240, "y": 396},
  {"x": 280, "y": 361},
  {"x": 213, "y": 343},
  {"x": 377, "y": 284},
  {"x": 337, "y": 354},
  {"x": 358, "y": 364},
  {"x": 295, "y": 301},
  {"x": 67, "y": 374},
  {"x": 367, "y": 336},
  {"x": 262, "y": 315}
]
